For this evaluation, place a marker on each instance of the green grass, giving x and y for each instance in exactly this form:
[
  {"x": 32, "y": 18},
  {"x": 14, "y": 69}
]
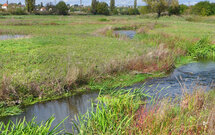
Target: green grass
[
  {"x": 11, "y": 110},
  {"x": 123, "y": 112},
  {"x": 64, "y": 55},
  {"x": 113, "y": 114},
  {"x": 23, "y": 127}
]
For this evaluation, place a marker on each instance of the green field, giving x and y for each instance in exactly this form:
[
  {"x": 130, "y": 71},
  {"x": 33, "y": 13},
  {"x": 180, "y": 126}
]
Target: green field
[{"x": 63, "y": 54}]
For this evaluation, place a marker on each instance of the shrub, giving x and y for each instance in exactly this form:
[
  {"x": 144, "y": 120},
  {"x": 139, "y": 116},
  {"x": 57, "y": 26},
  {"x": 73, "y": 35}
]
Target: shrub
[
  {"x": 183, "y": 8},
  {"x": 62, "y": 9},
  {"x": 133, "y": 11},
  {"x": 115, "y": 11},
  {"x": 203, "y": 8},
  {"x": 102, "y": 8},
  {"x": 203, "y": 49},
  {"x": 144, "y": 10},
  {"x": 18, "y": 11},
  {"x": 174, "y": 10}
]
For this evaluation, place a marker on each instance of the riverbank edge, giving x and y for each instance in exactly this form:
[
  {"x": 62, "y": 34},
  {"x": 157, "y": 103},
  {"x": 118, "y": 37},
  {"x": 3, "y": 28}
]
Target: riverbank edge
[{"x": 114, "y": 81}]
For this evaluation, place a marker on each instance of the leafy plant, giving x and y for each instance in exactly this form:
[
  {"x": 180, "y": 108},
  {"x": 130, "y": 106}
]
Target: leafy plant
[{"x": 203, "y": 49}]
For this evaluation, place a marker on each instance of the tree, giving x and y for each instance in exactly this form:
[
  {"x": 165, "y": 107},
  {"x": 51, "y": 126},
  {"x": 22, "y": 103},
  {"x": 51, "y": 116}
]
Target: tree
[
  {"x": 102, "y": 8},
  {"x": 62, "y": 9},
  {"x": 93, "y": 6},
  {"x": 144, "y": 10},
  {"x": 183, "y": 8},
  {"x": 30, "y": 5},
  {"x": 135, "y": 4},
  {"x": 112, "y": 5},
  {"x": 159, "y": 6},
  {"x": 203, "y": 8},
  {"x": 174, "y": 8}
]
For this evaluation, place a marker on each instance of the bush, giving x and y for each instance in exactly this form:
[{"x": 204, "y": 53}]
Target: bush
[
  {"x": 174, "y": 10},
  {"x": 183, "y": 8},
  {"x": 203, "y": 8},
  {"x": 18, "y": 11},
  {"x": 203, "y": 49},
  {"x": 115, "y": 11},
  {"x": 133, "y": 11},
  {"x": 62, "y": 8},
  {"x": 144, "y": 10},
  {"x": 102, "y": 8}
]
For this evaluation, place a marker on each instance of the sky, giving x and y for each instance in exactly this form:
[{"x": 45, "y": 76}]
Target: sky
[{"x": 88, "y": 2}]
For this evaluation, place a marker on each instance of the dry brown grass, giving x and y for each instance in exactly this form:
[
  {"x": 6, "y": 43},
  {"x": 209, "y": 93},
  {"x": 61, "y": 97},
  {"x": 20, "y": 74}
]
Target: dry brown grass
[{"x": 103, "y": 31}]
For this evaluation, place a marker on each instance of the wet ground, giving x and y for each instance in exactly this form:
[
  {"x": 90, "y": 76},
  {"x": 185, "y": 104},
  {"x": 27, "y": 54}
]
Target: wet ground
[
  {"x": 193, "y": 76},
  {"x": 6, "y": 37},
  {"x": 128, "y": 33}
]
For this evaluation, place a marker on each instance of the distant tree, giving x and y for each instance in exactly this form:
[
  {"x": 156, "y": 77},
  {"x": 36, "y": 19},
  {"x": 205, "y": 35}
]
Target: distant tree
[
  {"x": 93, "y": 6},
  {"x": 62, "y": 9},
  {"x": 135, "y": 4},
  {"x": 144, "y": 10},
  {"x": 159, "y": 6},
  {"x": 41, "y": 4},
  {"x": 133, "y": 11},
  {"x": 30, "y": 5},
  {"x": 102, "y": 8},
  {"x": 115, "y": 12},
  {"x": 203, "y": 8},
  {"x": 183, "y": 8},
  {"x": 112, "y": 5},
  {"x": 19, "y": 3}
]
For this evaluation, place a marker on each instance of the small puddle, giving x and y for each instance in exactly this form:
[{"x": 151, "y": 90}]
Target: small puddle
[
  {"x": 6, "y": 37},
  {"x": 128, "y": 33},
  {"x": 189, "y": 75}
]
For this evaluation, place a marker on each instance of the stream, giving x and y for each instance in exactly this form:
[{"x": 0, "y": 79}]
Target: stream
[{"x": 193, "y": 75}]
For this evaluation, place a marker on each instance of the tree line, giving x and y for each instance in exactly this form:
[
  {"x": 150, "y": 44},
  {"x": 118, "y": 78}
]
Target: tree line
[{"x": 161, "y": 7}]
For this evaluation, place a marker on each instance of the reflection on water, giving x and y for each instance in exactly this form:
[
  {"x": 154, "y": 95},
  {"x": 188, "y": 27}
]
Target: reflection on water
[
  {"x": 185, "y": 78},
  {"x": 77, "y": 104},
  {"x": 5, "y": 37},
  {"x": 128, "y": 33},
  {"x": 189, "y": 75}
]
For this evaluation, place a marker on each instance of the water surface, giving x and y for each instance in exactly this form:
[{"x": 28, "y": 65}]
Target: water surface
[
  {"x": 193, "y": 76},
  {"x": 6, "y": 37},
  {"x": 128, "y": 33},
  {"x": 72, "y": 106},
  {"x": 200, "y": 74}
]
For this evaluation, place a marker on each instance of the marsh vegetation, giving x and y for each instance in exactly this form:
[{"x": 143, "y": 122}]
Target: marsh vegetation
[{"x": 69, "y": 54}]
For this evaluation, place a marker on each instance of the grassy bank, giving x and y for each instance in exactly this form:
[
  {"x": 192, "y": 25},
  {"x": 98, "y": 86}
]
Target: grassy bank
[
  {"x": 65, "y": 54},
  {"x": 125, "y": 114}
]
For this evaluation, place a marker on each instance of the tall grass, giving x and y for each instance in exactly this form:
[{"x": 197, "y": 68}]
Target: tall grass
[
  {"x": 112, "y": 115},
  {"x": 203, "y": 49},
  {"x": 194, "y": 114},
  {"x": 30, "y": 128},
  {"x": 124, "y": 113}
]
